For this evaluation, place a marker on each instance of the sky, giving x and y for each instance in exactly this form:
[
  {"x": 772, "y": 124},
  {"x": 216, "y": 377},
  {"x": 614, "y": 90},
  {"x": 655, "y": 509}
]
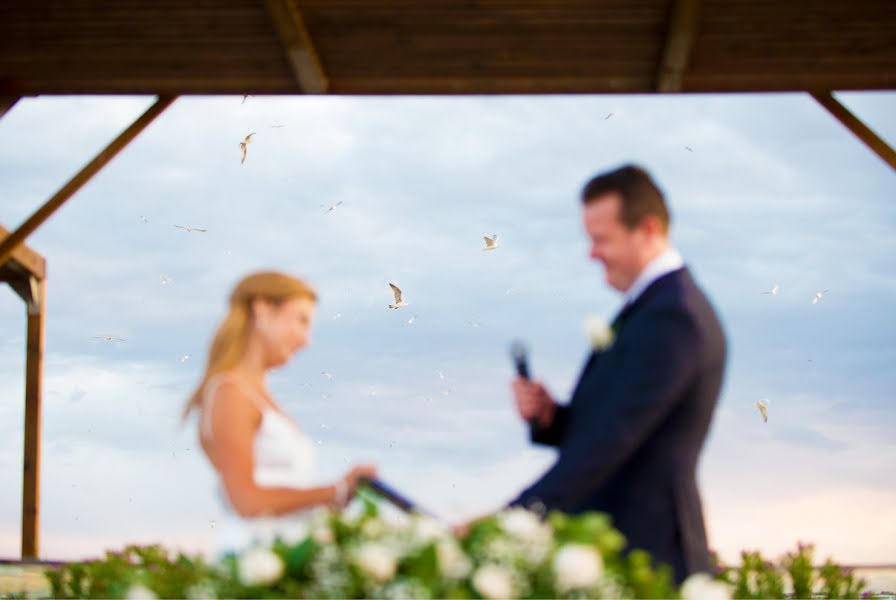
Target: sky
[{"x": 762, "y": 188}]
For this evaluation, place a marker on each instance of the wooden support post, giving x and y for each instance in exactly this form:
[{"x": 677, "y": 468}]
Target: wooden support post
[
  {"x": 861, "y": 131},
  {"x": 299, "y": 48},
  {"x": 33, "y": 399},
  {"x": 679, "y": 41},
  {"x": 6, "y": 104},
  {"x": 83, "y": 176}
]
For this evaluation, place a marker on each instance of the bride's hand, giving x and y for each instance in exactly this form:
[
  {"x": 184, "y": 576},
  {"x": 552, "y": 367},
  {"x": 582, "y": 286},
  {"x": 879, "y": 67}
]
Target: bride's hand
[{"x": 354, "y": 477}]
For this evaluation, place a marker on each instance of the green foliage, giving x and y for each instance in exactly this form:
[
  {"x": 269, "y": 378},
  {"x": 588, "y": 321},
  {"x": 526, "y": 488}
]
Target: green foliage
[{"x": 514, "y": 552}]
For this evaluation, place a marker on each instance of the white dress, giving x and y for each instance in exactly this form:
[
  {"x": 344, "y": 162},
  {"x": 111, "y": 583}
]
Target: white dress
[{"x": 283, "y": 456}]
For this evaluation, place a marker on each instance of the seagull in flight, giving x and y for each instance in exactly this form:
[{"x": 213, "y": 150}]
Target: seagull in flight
[
  {"x": 819, "y": 296},
  {"x": 109, "y": 338},
  {"x": 775, "y": 288},
  {"x": 246, "y": 141},
  {"x": 762, "y": 405},
  {"x": 608, "y": 116},
  {"x": 412, "y": 319},
  {"x": 490, "y": 242},
  {"x": 184, "y": 358},
  {"x": 190, "y": 229},
  {"x": 165, "y": 280},
  {"x": 143, "y": 219},
  {"x": 688, "y": 148},
  {"x": 398, "y": 301},
  {"x": 327, "y": 374},
  {"x": 332, "y": 208}
]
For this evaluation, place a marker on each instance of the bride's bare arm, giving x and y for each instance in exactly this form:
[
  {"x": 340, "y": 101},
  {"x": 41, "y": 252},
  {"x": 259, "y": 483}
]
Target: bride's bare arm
[{"x": 234, "y": 421}]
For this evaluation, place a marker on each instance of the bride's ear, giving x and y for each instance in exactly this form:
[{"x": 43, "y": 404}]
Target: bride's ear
[{"x": 259, "y": 309}]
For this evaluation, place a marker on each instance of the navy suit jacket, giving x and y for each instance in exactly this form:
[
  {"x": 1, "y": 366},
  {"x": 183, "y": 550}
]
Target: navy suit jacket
[{"x": 630, "y": 437}]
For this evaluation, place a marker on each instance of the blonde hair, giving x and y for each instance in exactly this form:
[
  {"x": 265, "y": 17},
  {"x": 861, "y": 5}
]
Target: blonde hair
[{"x": 229, "y": 344}]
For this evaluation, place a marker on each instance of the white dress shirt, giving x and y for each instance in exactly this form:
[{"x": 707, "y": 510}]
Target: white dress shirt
[{"x": 670, "y": 260}]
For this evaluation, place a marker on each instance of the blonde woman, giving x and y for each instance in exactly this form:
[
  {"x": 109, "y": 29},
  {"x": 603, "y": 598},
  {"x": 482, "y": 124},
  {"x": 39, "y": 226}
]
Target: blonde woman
[{"x": 263, "y": 458}]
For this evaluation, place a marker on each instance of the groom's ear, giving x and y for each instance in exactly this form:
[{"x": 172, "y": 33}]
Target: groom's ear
[{"x": 652, "y": 226}]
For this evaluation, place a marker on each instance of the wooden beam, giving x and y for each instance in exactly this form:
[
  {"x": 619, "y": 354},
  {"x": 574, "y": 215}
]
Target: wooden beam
[
  {"x": 299, "y": 48},
  {"x": 8, "y": 245},
  {"x": 679, "y": 41},
  {"x": 28, "y": 259},
  {"x": 34, "y": 364},
  {"x": 6, "y": 104},
  {"x": 861, "y": 131}
]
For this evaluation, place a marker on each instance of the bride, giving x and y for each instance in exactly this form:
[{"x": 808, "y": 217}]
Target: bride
[{"x": 264, "y": 460}]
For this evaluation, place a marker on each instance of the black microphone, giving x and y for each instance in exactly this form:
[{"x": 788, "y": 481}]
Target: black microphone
[
  {"x": 520, "y": 358},
  {"x": 519, "y": 354}
]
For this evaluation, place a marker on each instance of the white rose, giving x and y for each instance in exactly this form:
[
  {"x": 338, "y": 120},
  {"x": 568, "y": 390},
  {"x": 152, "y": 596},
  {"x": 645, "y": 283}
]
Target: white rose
[
  {"x": 521, "y": 524},
  {"x": 377, "y": 561},
  {"x": 427, "y": 529},
  {"x": 701, "y": 586},
  {"x": 373, "y": 528},
  {"x": 453, "y": 563},
  {"x": 600, "y": 334},
  {"x": 577, "y": 566},
  {"x": 201, "y": 591},
  {"x": 259, "y": 566},
  {"x": 322, "y": 534},
  {"x": 295, "y": 531},
  {"x": 140, "y": 592},
  {"x": 493, "y": 582}
]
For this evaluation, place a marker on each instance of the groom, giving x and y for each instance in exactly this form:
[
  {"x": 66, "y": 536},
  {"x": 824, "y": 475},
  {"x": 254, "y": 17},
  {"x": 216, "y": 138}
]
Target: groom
[{"x": 630, "y": 437}]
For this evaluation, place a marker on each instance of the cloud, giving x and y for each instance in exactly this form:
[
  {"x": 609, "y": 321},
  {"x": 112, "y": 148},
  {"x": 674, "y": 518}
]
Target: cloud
[{"x": 773, "y": 190}]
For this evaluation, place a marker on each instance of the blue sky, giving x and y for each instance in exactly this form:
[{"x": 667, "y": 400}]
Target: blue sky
[{"x": 762, "y": 188}]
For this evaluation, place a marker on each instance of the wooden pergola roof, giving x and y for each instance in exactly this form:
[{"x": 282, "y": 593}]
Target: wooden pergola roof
[
  {"x": 176, "y": 47},
  {"x": 170, "y": 48}
]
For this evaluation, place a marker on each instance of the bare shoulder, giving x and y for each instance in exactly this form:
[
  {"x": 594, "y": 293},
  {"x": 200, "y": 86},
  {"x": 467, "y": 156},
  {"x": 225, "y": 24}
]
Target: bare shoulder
[{"x": 233, "y": 407}]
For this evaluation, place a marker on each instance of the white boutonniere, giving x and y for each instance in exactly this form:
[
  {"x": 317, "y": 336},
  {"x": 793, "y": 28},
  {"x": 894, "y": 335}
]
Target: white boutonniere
[{"x": 599, "y": 332}]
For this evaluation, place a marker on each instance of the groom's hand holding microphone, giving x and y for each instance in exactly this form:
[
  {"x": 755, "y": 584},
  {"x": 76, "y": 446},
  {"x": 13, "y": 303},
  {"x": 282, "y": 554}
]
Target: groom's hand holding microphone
[{"x": 533, "y": 402}]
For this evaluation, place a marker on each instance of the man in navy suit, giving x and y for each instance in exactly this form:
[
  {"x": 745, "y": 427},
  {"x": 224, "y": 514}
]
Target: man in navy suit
[{"x": 630, "y": 437}]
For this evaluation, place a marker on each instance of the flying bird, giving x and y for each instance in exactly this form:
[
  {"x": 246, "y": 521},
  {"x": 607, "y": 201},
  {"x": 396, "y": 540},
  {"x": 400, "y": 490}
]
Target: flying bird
[
  {"x": 775, "y": 288},
  {"x": 332, "y": 208},
  {"x": 327, "y": 374},
  {"x": 762, "y": 405},
  {"x": 246, "y": 141},
  {"x": 109, "y": 338},
  {"x": 490, "y": 242},
  {"x": 190, "y": 229},
  {"x": 608, "y": 116},
  {"x": 165, "y": 280},
  {"x": 688, "y": 148},
  {"x": 143, "y": 219},
  {"x": 398, "y": 301},
  {"x": 819, "y": 296},
  {"x": 277, "y": 126},
  {"x": 412, "y": 319},
  {"x": 184, "y": 358}
]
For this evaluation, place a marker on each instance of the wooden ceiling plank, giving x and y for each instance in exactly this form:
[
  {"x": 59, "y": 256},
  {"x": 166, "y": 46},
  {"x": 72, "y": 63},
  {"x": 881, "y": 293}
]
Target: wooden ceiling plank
[{"x": 299, "y": 47}]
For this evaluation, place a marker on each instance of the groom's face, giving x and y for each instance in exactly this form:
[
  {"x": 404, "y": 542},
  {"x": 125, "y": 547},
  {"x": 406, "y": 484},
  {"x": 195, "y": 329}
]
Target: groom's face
[{"x": 618, "y": 248}]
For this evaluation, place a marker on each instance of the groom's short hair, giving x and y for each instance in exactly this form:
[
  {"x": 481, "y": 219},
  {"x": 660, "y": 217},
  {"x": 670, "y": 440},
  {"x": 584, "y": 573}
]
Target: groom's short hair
[{"x": 639, "y": 195}]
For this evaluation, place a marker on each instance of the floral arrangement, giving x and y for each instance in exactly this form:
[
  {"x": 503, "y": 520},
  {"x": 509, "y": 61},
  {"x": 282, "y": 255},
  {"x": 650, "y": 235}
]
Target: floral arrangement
[{"x": 512, "y": 554}]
